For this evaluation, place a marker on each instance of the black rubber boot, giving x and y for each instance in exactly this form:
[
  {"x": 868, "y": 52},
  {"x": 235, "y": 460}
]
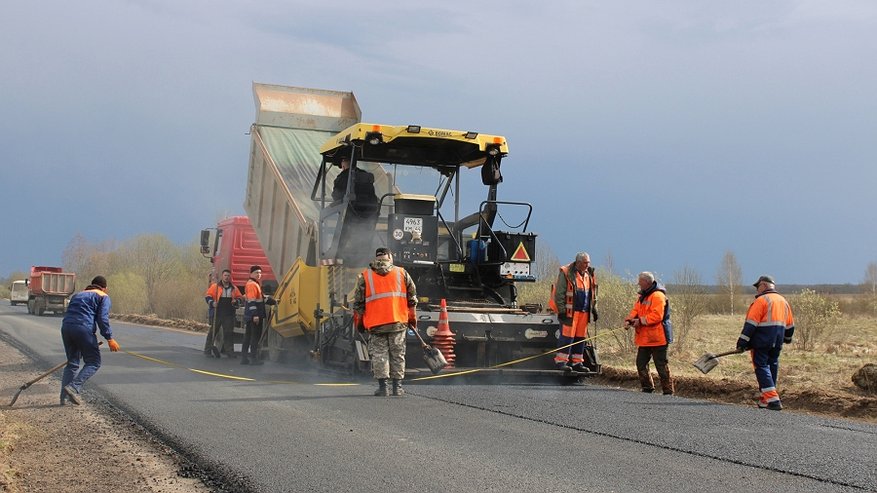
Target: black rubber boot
[
  {"x": 645, "y": 381},
  {"x": 667, "y": 385},
  {"x": 398, "y": 391},
  {"x": 382, "y": 388}
]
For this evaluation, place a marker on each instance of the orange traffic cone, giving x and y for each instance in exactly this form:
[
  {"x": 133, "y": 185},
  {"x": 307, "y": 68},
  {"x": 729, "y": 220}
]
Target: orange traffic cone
[{"x": 443, "y": 339}]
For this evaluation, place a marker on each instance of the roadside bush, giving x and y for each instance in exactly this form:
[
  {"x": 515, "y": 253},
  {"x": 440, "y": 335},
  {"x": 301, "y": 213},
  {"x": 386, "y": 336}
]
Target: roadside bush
[
  {"x": 180, "y": 298},
  {"x": 816, "y": 318},
  {"x": 687, "y": 302},
  {"x": 128, "y": 292},
  {"x": 615, "y": 299}
]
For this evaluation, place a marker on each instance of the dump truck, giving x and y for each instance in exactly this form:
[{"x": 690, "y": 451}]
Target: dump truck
[
  {"x": 49, "y": 289},
  {"x": 409, "y": 200},
  {"x": 233, "y": 245}
]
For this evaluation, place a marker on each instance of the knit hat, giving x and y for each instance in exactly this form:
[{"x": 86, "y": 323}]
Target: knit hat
[
  {"x": 255, "y": 268},
  {"x": 99, "y": 281}
]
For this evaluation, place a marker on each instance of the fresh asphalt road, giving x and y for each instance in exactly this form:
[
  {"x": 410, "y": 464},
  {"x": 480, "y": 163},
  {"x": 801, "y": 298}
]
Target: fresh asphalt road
[{"x": 284, "y": 431}]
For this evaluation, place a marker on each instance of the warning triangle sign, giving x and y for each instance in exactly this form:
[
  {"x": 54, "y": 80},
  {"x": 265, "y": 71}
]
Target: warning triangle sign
[{"x": 520, "y": 254}]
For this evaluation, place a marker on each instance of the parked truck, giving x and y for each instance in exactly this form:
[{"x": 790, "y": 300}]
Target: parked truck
[
  {"x": 320, "y": 243},
  {"x": 233, "y": 245},
  {"x": 49, "y": 290}
]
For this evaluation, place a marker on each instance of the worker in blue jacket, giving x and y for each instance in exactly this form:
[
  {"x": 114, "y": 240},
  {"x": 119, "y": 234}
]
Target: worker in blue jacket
[{"x": 87, "y": 312}]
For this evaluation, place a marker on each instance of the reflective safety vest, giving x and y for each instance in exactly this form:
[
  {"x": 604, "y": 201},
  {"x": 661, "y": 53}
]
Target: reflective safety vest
[
  {"x": 386, "y": 298},
  {"x": 583, "y": 283},
  {"x": 769, "y": 321}
]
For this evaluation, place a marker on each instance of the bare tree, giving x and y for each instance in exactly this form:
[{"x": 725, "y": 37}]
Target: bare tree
[
  {"x": 76, "y": 254},
  {"x": 871, "y": 278},
  {"x": 687, "y": 302},
  {"x": 157, "y": 260},
  {"x": 546, "y": 264},
  {"x": 609, "y": 263},
  {"x": 728, "y": 277}
]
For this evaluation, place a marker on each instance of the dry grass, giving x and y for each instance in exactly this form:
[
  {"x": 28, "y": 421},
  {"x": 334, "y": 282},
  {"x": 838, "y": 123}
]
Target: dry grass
[{"x": 817, "y": 380}]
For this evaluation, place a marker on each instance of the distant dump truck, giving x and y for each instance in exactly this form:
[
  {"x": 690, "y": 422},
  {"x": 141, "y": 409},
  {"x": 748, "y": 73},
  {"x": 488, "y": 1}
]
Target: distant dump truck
[
  {"x": 18, "y": 293},
  {"x": 49, "y": 290}
]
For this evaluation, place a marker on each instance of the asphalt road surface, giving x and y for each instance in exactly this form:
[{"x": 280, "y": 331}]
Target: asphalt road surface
[{"x": 287, "y": 430}]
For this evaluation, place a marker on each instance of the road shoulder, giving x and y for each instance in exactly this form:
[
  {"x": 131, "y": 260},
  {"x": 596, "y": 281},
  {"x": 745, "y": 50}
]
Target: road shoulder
[{"x": 47, "y": 447}]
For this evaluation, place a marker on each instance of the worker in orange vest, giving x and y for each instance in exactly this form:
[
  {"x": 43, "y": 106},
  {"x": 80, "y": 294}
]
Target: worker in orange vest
[
  {"x": 254, "y": 317},
  {"x": 223, "y": 298},
  {"x": 652, "y": 337},
  {"x": 769, "y": 324},
  {"x": 577, "y": 300},
  {"x": 383, "y": 305}
]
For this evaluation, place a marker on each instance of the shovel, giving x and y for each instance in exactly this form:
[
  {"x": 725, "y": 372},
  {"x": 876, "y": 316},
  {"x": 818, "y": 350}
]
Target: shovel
[
  {"x": 434, "y": 358},
  {"x": 709, "y": 360},
  {"x": 37, "y": 379}
]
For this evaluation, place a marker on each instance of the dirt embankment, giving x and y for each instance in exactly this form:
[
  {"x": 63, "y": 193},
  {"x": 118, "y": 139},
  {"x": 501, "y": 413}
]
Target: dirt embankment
[
  {"x": 849, "y": 402},
  {"x": 174, "y": 323}
]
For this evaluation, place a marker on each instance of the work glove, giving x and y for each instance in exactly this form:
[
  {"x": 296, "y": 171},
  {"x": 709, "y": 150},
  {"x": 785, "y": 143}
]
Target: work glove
[
  {"x": 357, "y": 322},
  {"x": 742, "y": 345},
  {"x": 270, "y": 301},
  {"x": 595, "y": 314},
  {"x": 114, "y": 346},
  {"x": 564, "y": 320},
  {"x": 210, "y": 302},
  {"x": 412, "y": 317}
]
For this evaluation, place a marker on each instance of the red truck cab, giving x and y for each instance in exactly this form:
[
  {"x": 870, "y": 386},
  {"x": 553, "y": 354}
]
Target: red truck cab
[{"x": 235, "y": 247}]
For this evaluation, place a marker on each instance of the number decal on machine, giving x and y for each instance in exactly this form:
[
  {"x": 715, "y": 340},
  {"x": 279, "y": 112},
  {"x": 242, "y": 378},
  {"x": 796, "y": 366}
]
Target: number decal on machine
[{"x": 413, "y": 224}]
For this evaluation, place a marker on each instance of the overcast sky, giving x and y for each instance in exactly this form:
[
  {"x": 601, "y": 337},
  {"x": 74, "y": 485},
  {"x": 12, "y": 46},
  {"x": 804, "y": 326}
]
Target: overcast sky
[{"x": 660, "y": 134}]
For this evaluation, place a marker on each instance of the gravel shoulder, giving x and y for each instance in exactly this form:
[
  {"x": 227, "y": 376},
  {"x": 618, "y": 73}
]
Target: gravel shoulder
[{"x": 45, "y": 447}]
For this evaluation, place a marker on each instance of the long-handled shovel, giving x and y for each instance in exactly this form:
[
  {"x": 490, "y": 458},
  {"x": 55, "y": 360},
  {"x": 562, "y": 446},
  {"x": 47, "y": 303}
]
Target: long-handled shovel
[
  {"x": 709, "y": 360},
  {"x": 434, "y": 358},
  {"x": 44, "y": 375},
  {"x": 35, "y": 380}
]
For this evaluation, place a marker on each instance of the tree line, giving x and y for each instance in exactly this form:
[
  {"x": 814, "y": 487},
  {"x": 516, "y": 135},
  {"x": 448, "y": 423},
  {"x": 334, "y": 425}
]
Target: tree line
[{"x": 148, "y": 274}]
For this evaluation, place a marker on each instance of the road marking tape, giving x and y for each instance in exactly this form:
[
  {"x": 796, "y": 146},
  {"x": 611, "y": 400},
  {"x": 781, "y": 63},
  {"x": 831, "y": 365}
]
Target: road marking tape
[
  {"x": 230, "y": 377},
  {"x": 154, "y": 360},
  {"x": 513, "y": 362},
  {"x": 221, "y": 375}
]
